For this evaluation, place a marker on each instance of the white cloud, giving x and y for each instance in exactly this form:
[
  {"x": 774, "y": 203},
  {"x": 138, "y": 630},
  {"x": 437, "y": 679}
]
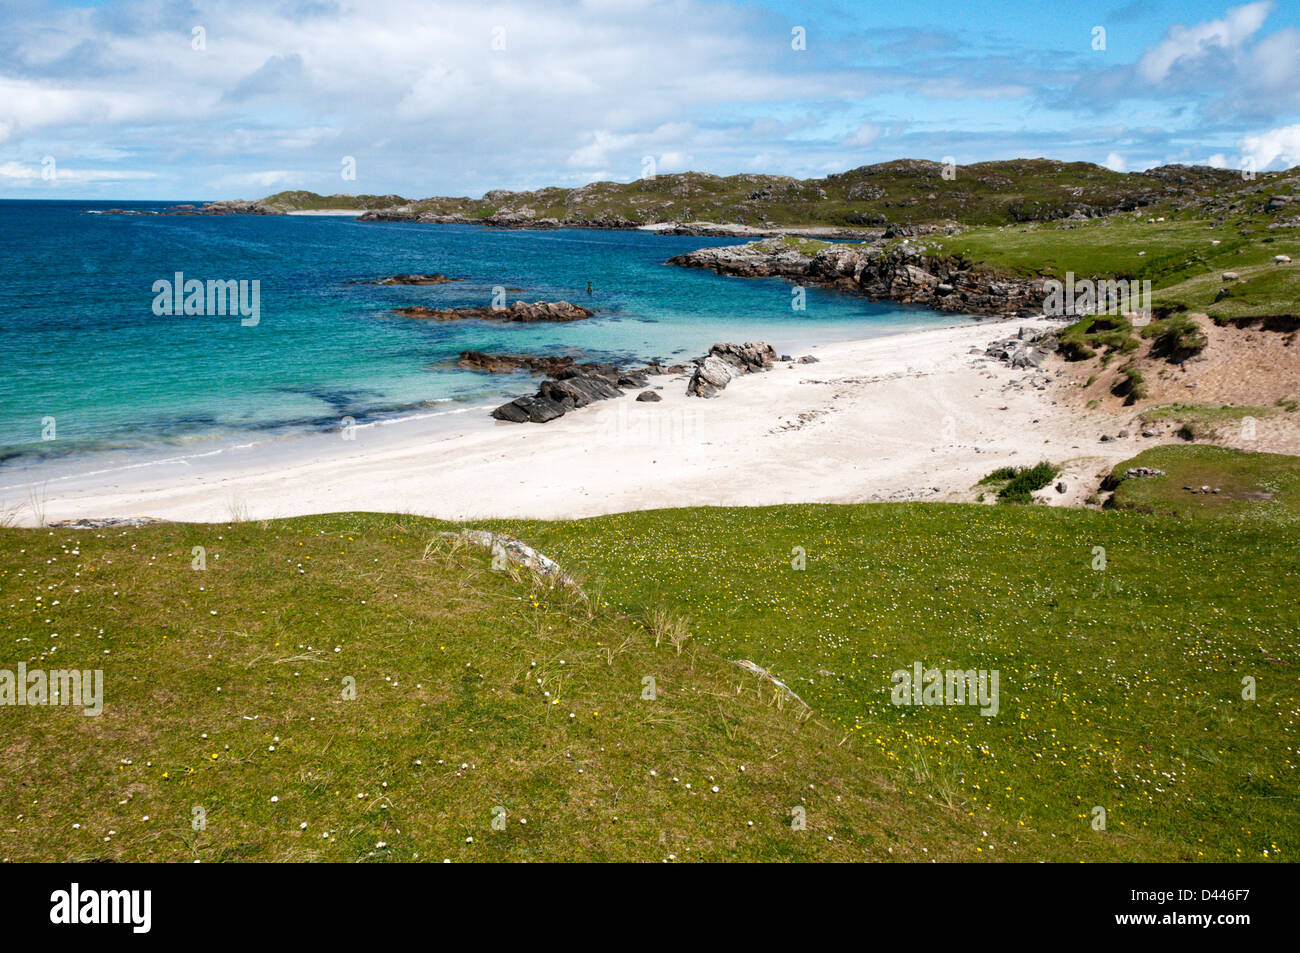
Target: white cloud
[
  {"x": 1273, "y": 146},
  {"x": 264, "y": 179},
  {"x": 1186, "y": 45},
  {"x": 19, "y": 172},
  {"x": 864, "y": 135},
  {"x": 31, "y": 104},
  {"x": 1115, "y": 162}
]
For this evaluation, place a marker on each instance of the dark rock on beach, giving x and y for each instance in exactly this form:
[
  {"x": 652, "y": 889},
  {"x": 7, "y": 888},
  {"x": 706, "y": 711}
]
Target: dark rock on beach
[
  {"x": 578, "y": 385},
  {"x": 1027, "y": 349},
  {"x": 570, "y": 387},
  {"x": 536, "y": 409}
]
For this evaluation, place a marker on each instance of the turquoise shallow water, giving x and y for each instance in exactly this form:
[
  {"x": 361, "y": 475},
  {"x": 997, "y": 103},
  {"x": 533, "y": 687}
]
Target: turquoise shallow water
[{"x": 82, "y": 344}]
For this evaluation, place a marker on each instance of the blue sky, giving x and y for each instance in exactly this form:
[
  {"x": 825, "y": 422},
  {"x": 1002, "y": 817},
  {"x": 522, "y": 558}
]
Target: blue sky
[{"x": 240, "y": 98}]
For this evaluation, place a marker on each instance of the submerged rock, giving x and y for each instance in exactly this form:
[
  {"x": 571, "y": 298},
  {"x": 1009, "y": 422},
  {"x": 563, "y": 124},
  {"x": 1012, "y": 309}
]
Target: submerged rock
[
  {"x": 520, "y": 311},
  {"x": 433, "y": 279},
  {"x": 511, "y": 363}
]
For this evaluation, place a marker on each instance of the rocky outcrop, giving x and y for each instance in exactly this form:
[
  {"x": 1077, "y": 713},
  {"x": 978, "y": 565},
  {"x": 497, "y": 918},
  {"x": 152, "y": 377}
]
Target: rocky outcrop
[
  {"x": 231, "y": 207},
  {"x": 520, "y": 311},
  {"x": 900, "y": 273},
  {"x": 514, "y": 218},
  {"x": 569, "y": 389},
  {"x": 433, "y": 279},
  {"x": 578, "y": 385},
  {"x": 725, "y": 361},
  {"x": 711, "y": 375},
  {"x": 1027, "y": 349},
  {"x": 212, "y": 208},
  {"x": 511, "y": 363}
]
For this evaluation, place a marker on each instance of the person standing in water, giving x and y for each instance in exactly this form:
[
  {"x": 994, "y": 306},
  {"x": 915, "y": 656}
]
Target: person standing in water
[{"x": 589, "y": 287}]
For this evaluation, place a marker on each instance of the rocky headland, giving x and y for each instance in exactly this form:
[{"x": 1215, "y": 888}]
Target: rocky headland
[{"x": 901, "y": 272}]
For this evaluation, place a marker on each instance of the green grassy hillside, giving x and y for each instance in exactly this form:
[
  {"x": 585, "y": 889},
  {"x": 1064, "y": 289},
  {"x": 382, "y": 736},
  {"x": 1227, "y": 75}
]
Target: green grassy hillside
[
  {"x": 907, "y": 191},
  {"x": 1121, "y": 686}
]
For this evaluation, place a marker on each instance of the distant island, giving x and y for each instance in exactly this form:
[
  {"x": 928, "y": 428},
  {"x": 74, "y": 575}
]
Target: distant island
[{"x": 903, "y": 192}]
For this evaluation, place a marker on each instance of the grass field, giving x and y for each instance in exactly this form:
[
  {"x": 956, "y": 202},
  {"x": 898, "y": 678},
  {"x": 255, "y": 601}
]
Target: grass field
[
  {"x": 1179, "y": 256},
  {"x": 1121, "y": 684}
]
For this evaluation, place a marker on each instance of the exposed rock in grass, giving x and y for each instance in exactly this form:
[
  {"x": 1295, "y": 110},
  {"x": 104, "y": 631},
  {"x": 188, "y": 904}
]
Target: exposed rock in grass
[
  {"x": 109, "y": 522},
  {"x": 514, "y": 551}
]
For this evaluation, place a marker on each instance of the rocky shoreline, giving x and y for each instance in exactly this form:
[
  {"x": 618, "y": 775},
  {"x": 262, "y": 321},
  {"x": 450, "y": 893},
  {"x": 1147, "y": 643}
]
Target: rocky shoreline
[
  {"x": 573, "y": 385},
  {"x": 524, "y": 221},
  {"x": 903, "y": 273},
  {"x": 502, "y": 220}
]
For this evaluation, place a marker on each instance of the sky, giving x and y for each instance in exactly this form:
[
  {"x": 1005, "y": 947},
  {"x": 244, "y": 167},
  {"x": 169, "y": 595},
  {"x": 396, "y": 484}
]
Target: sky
[{"x": 241, "y": 98}]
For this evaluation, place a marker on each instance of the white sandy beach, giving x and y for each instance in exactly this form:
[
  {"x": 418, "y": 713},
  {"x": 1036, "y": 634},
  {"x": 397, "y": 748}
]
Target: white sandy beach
[{"x": 910, "y": 416}]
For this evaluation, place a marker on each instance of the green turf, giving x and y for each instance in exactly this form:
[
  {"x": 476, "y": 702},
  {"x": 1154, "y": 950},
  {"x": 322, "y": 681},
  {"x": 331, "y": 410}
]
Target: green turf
[
  {"x": 1260, "y": 488},
  {"x": 1120, "y": 684},
  {"x": 224, "y": 692}
]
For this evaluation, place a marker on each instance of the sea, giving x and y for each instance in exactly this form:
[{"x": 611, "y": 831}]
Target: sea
[{"x": 96, "y": 378}]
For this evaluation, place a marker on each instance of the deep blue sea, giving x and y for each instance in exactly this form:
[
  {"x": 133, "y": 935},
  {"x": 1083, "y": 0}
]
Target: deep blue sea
[{"x": 82, "y": 344}]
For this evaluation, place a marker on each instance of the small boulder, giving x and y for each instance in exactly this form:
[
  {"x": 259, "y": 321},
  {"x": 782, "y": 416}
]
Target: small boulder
[
  {"x": 711, "y": 375},
  {"x": 648, "y": 395}
]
